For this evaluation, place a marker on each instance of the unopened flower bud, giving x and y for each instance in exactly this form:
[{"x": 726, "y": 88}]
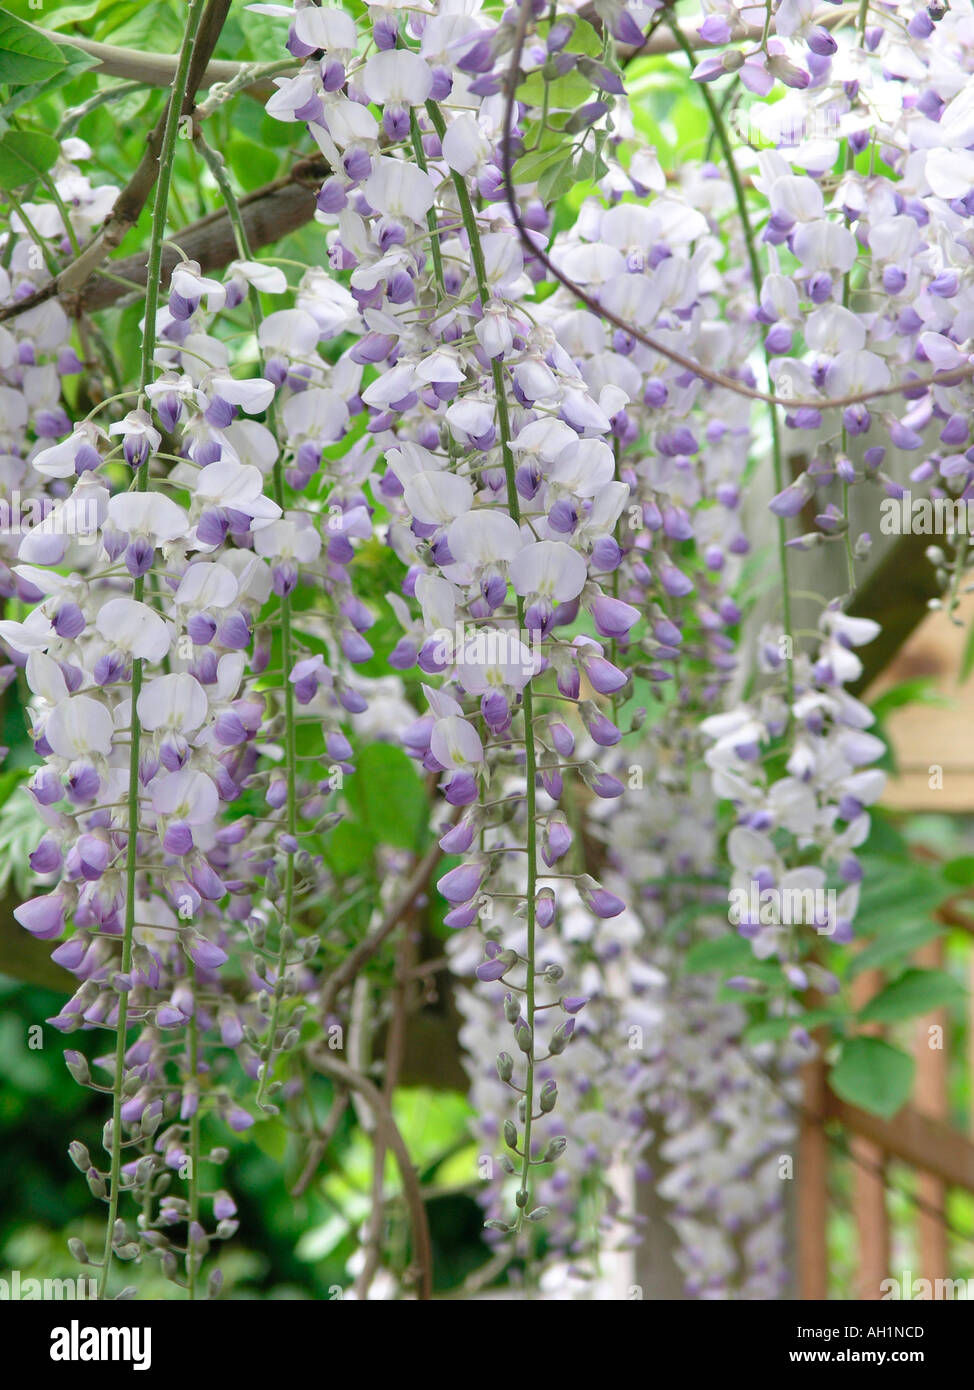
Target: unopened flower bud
[
  {"x": 78, "y": 1067},
  {"x": 79, "y": 1155}
]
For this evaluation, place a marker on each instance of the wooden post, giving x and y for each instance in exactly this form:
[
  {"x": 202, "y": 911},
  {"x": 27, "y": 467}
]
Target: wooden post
[
  {"x": 868, "y": 1182},
  {"x": 970, "y": 1039},
  {"x": 813, "y": 1195},
  {"x": 930, "y": 1098}
]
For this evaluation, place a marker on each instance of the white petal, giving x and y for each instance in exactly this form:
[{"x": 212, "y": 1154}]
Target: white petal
[
  {"x": 483, "y": 537},
  {"x": 398, "y": 189},
  {"x": 325, "y": 27},
  {"x": 149, "y": 514},
  {"x": 174, "y": 701},
  {"x": 134, "y": 628},
  {"x": 268, "y": 278},
  {"x": 206, "y": 585},
  {"x": 454, "y": 743},
  {"x": 397, "y": 76},
  {"x": 436, "y": 498},
  {"x": 253, "y": 394},
  {"x": 464, "y": 143},
  {"x": 549, "y": 568},
  {"x": 78, "y": 726}
]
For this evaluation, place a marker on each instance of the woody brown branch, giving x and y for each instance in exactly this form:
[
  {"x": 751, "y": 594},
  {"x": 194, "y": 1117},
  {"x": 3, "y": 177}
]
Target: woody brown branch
[
  {"x": 158, "y": 69},
  {"x": 269, "y": 213},
  {"x": 133, "y": 197}
]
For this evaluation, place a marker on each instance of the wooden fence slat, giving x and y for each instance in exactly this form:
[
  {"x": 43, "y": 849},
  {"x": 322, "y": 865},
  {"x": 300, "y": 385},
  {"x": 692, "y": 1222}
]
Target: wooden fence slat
[
  {"x": 930, "y": 1098},
  {"x": 869, "y": 1180},
  {"x": 812, "y": 1198}
]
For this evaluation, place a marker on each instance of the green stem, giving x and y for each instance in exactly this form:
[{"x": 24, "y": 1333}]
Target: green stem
[
  {"x": 514, "y": 507},
  {"x": 717, "y": 119},
  {"x": 218, "y": 169},
  {"x": 58, "y": 201},
  {"x": 249, "y": 74},
  {"x": 850, "y": 161},
  {"x": 417, "y": 140},
  {"x": 159, "y": 211},
  {"x": 50, "y": 260},
  {"x": 192, "y": 1259},
  {"x": 73, "y": 117}
]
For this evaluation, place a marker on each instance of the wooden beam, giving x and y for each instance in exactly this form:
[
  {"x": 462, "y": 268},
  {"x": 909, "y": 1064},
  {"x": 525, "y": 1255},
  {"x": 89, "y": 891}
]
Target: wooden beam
[
  {"x": 930, "y": 1145},
  {"x": 896, "y": 594},
  {"x": 269, "y": 213},
  {"x": 154, "y": 69}
]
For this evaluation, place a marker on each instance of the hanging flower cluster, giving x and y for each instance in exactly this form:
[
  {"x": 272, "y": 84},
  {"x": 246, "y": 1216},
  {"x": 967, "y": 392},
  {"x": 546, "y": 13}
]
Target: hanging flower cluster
[{"x": 173, "y": 831}]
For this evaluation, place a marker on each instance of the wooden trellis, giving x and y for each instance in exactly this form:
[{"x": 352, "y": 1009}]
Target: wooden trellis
[{"x": 926, "y": 740}]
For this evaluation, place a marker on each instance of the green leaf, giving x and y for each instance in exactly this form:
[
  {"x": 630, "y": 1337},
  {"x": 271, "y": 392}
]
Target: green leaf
[
  {"x": 253, "y": 164},
  {"x": 60, "y": 16},
  {"x": 771, "y": 1029},
  {"x": 75, "y": 64},
  {"x": 967, "y": 660},
  {"x": 895, "y": 894},
  {"x": 725, "y": 953},
  {"x": 766, "y": 974},
  {"x": 902, "y": 942},
  {"x": 10, "y": 780},
  {"x": 387, "y": 795},
  {"x": 886, "y": 840},
  {"x": 430, "y": 1121},
  {"x": 692, "y": 125},
  {"x": 530, "y": 166},
  {"x": 683, "y": 916},
  {"x": 564, "y": 93},
  {"x": 960, "y": 870},
  {"x": 271, "y": 1138},
  {"x": 590, "y": 167},
  {"x": 26, "y": 55},
  {"x": 348, "y": 848},
  {"x": 915, "y": 992},
  {"x": 556, "y": 180},
  {"x": 873, "y": 1075},
  {"x": 24, "y": 156},
  {"x": 919, "y": 690},
  {"x": 585, "y": 39},
  {"x": 128, "y": 334}
]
